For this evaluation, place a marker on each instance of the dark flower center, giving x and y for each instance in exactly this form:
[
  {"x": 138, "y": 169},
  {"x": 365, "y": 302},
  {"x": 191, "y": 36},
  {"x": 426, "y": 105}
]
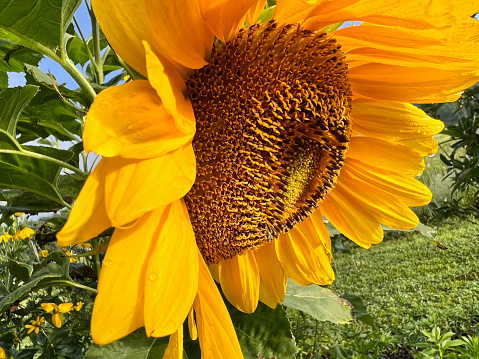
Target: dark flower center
[{"x": 272, "y": 111}]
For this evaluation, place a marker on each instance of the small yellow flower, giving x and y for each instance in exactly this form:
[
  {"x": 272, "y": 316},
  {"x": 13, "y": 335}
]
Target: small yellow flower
[
  {"x": 69, "y": 254},
  {"x": 19, "y": 214},
  {"x": 5, "y": 237},
  {"x": 56, "y": 310},
  {"x": 85, "y": 245},
  {"x": 2, "y": 353},
  {"x": 23, "y": 233},
  {"x": 43, "y": 253},
  {"x": 16, "y": 339},
  {"x": 78, "y": 306},
  {"x": 35, "y": 326}
]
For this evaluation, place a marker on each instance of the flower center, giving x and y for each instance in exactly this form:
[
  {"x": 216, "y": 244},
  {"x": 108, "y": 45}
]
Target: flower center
[{"x": 272, "y": 111}]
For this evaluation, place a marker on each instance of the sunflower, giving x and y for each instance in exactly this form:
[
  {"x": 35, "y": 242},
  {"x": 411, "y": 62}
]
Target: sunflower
[{"x": 223, "y": 161}]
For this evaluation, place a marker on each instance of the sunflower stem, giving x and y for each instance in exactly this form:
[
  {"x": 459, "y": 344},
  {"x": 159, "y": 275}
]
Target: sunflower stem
[
  {"x": 96, "y": 258},
  {"x": 97, "y": 48}
]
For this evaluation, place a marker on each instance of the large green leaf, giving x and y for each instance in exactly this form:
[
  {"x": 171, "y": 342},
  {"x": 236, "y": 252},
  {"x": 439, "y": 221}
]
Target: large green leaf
[
  {"x": 40, "y": 277},
  {"x": 134, "y": 346},
  {"x": 22, "y": 171},
  {"x": 12, "y": 103},
  {"x": 264, "y": 334},
  {"x": 14, "y": 57},
  {"x": 37, "y": 24},
  {"x": 319, "y": 302},
  {"x": 3, "y": 80},
  {"x": 47, "y": 114}
]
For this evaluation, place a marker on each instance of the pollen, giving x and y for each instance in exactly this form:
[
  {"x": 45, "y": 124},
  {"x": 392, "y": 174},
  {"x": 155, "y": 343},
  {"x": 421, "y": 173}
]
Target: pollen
[{"x": 272, "y": 110}]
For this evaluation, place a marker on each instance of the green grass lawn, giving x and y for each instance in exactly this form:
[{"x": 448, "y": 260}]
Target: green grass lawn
[
  {"x": 407, "y": 278},
  {"x": 408, "y": 285}
]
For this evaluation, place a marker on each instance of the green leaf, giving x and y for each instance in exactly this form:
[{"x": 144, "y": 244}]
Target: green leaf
[
  {"x": 21, "y": 171},
  {"x": 28, "y": 202},
  {"x": 319, "y": 302},
  {"x": 37, "y": 24},
  {"x": 77, "y": 51},
  {"x": 51, "y": 270},
  {"x": 12, "y": 102},
  {"x": 3, "y": 80},
  {"x": 3, "y": 289},
  {"x": 20, "y": 270},
  {"x": 14, "y": 57},
  {"x": 360, "y": 309},
  {"x": 134, "y": 346},
  {"x": 265, "y": 332}
]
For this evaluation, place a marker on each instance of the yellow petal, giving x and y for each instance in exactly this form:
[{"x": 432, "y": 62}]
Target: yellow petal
[
  {"x": 415, "y": 14},
  {"x": 424, "y": 146},
  {"x": 392, "y": 120},
  {"x": 174, "y": 350},
  {"x": 402, "y": 42},
  {"x": 273, "y": 278},
  {"x": 192, "y": 325},
  {"x": 408, "y": 84},
  {"x": 387, "y": 155},
  {"x": 255, "y": 11},
  {"x": 409, "y": 190},
  {"x": 172, "y": 273},
  {"x": 223, "y": 17},
  {"x": 265, "y": 297},
  {"x": 216, "y": 332},
  {"x": 292, "y": 11},
  {"x": 347, "y": 215},
  {"x": 169, "y": 88},
  {"x": 302, "y": 261},
  {"x": 118, "y": 308},
  {"x": 134, "y": 187},
  {"x": 57, "y": 320},
  {"x": 130, "y": 121},
  {"x": 386, "y": 208},
  {"x": 215, "y": 271},
  {"x": 65, "y": 307},
  {"x": 179, "y": 31},
  {"x": 239, "y": 278},
  {"x": 88, "y": 217},
  {"x": 48, "y": 307},
  {"x": 125, "y": 25}
]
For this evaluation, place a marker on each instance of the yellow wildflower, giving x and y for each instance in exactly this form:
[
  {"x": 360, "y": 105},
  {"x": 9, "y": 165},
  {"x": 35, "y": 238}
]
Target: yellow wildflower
[
  {"x": 5, "y": 237},
  {"x": 23, "y": 233},
  {"x": 35, "y": 326},
  {"x": 69, "y": 254},
  {"x": 2, "y": 353},
  {"x": 19, "y": 214},
  {"x": 43, "y": 253},
  {"x": 79, "y": 306},
  {"x": 56, "y": 310},
  {"x": 251, "y": 140}
]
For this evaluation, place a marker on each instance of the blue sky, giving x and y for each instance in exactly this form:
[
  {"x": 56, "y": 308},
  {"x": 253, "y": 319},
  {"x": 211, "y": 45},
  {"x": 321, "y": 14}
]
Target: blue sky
[{"x": 18, "y": 79}]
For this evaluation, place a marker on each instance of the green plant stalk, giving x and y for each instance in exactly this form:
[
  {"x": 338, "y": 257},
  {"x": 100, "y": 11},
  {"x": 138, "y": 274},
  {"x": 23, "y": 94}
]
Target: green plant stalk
[
  {"x": 97, "y": 48},
  {"x": 66, "y": 283},
  {"x": 96, "y": 258},
  {"x": 68, "y": 65},
  {"x": 90, "y": 56}
]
